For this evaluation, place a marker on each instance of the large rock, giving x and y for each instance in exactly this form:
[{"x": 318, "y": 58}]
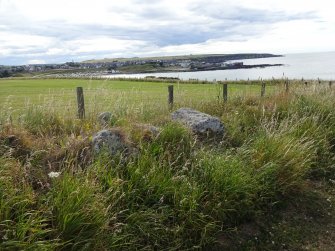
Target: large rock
[
  {"x": 199, "y": 122},
  {"x": 111, "y": 140}
]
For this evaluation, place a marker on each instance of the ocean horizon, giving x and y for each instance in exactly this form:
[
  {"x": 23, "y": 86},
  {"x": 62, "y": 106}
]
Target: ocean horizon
[{"x": 317, "y": 65}]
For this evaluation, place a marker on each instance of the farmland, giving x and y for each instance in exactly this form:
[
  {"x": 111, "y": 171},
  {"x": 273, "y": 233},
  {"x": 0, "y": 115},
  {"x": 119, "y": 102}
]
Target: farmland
[
  {"x": 117, "y": 96},
  {"x": 267, "y": 183}
]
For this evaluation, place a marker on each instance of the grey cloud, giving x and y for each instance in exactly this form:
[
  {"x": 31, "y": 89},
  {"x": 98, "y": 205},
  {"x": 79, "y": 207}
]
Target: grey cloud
[
  {"x": 221, "y": 22},
  {"x": 206, "y": 20},
  {"x": 221, "y": 11},
  {"x": 19, "y": 59}
]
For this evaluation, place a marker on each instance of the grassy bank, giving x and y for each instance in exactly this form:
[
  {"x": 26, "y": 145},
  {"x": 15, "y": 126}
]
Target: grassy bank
[{"x": 254, "y": 188}]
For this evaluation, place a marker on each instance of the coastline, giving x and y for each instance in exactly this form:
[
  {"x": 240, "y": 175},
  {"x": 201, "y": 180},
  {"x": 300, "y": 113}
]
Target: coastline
[{"x": 199, "y": 70}]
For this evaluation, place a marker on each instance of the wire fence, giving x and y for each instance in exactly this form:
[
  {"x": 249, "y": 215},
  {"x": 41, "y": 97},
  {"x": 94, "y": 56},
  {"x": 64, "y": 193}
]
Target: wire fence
[{"x": 143, "y": 101}]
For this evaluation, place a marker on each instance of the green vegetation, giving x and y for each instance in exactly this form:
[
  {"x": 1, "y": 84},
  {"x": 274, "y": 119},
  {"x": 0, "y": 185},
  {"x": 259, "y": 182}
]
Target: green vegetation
[
  {"x": 255, "y": 188},
  {"x": 4, "y": 74},
  {"x": 183, "y": 57},
  {"x": 124, "y": 98}
]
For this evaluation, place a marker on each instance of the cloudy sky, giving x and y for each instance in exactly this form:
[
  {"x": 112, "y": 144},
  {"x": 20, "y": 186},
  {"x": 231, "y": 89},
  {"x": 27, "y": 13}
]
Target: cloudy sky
[{"x": 49, "y": 31}]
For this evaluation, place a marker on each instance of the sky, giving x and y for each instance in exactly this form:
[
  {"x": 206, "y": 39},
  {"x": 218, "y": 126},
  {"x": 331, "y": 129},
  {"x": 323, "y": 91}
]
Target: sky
[{"x": 49, "y": 31}]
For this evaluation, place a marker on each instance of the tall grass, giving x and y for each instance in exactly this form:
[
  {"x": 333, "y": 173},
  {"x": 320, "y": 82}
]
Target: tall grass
[
  {"x": 24, "y": 222},
  {"x": 79, "y": 212},
  {"x": 178, "y": 192}
]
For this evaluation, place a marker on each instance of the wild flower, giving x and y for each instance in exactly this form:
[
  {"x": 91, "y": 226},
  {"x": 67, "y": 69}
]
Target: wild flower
[{"x": 54, "y": 174}]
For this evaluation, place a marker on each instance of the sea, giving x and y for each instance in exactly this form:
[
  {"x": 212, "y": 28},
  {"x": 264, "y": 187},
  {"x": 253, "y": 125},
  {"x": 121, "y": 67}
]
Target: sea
[{"x": 294, "y": 66}]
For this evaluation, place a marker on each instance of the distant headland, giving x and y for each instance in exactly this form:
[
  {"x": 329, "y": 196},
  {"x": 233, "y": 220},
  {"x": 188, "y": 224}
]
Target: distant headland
[{"x": 186, "y": 63}]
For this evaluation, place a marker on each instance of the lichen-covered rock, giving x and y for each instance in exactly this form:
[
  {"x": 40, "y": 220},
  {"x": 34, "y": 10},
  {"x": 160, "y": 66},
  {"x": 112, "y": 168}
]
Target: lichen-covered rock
[
  {"x": 112, "y": 141},
  {"x": 104, "y": 118},
  {"x": 199, "y": 122}
]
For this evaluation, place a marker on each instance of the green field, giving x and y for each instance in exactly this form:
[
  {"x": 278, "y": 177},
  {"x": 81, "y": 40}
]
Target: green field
[{"x": 140, "y": 99}]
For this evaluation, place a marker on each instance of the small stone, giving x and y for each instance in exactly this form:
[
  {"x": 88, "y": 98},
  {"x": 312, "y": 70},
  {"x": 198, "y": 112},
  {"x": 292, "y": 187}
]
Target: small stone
[
  {"x": 105, "y": 118},
  {"x": 148, "y": 132}
]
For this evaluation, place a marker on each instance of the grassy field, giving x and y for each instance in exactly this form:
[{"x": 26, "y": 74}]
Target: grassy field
[
  {"x": 267, "y": 183},
  {"x": 140, "y": 99}
]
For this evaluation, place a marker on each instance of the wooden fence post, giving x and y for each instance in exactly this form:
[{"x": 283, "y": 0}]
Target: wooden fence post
[
  {"x": 170, "y": 99},
  {"x": 286, "y": 86},
  {"x": 330, "y": 84},
  {"x": 81, "y": 104},
  {"x": 306, "y": 83},
  {"x": 263, "y": 89},
  {"x": 225, "y": 92}
]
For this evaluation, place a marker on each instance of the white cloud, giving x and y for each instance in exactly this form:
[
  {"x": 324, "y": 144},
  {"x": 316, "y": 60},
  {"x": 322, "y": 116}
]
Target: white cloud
[
  {"x": 102, "y": 44},
  {"x": 56, "y": 51},
  {"x": 12, "y": 39},
  {"x": 57, "y": 31},
  {"x": 36, "y": 61}
]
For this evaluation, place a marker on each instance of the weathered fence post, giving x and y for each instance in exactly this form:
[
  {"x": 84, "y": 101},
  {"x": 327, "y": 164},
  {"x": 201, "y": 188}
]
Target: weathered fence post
[
  {"x": 225, "y": 92},
  {"x": 330, "y": 84},
  {"x": 286, "y": 86},
  {"x": 170, "y": 100},
  {"x": 81, "y": 104},
  {"x": 263, "y": 89},
  {"x": 306, "y": 83}
]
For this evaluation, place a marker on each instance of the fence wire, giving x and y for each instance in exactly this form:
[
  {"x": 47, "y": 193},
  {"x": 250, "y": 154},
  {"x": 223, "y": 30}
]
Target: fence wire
[{"x": 141, "y": 101}]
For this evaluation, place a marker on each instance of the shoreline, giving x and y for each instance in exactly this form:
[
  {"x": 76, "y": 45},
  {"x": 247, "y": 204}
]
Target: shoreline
[{"x": 199, "y": 70}]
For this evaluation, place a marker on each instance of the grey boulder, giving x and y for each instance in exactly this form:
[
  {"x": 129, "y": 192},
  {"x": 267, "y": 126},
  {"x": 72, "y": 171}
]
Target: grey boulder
[
  {"x": 112, "y": 141},
  {"x": 198, "y": 122}
]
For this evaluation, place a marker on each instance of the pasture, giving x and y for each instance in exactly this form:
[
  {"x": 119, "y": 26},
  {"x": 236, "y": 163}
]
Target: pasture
[{"x": 141, "y": 100}]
